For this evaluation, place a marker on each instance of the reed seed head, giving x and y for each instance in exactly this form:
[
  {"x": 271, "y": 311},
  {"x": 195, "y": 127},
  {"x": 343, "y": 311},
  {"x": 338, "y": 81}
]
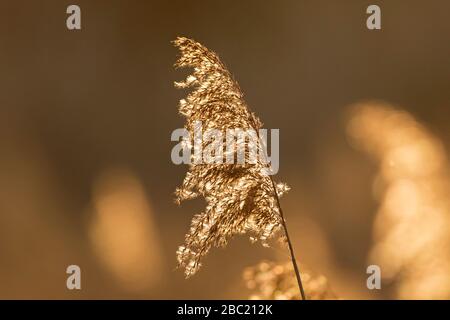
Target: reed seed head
[{"x": 240, "y": 198}]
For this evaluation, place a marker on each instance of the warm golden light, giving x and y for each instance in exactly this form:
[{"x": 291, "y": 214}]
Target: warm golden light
[
  {"x": 123, "y": 233},
  {"x": 272, "y": 281},
  {"x": 411, "y": 231}
]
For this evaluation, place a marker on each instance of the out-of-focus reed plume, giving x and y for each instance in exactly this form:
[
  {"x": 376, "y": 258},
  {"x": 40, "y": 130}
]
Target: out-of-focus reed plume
[
  {"x": 411, "y": 230},
  {"x": 274, "y": 281},
  {"x": 123, "y": 233},
  {"x": 240, "y": 197}
]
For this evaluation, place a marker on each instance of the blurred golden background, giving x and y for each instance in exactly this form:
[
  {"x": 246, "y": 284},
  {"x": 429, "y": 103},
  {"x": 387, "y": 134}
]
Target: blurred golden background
[{"x": 85, "y": 123}]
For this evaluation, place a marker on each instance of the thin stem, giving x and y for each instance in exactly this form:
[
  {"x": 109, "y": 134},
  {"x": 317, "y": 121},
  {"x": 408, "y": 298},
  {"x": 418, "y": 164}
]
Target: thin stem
[{"x": 291, "y": 250}]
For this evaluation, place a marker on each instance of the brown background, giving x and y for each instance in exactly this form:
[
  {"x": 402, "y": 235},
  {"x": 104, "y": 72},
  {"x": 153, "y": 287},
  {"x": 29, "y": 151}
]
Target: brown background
[{"x": 75, "y": 103}]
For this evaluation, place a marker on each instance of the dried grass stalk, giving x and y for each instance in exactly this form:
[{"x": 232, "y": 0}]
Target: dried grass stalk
[{"x": 241, "y": 198}]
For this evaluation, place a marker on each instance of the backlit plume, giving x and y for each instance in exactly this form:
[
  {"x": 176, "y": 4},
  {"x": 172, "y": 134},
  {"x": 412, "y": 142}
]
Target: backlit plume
[
  {"x": 274, "y": 281},
  {"x": 240, "y": 198}
]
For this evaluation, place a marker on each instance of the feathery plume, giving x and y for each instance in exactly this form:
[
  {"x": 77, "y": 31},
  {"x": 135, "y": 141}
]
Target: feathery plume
[
  {"x": 241, "y": 198},
  {"x": 276, "y": 281}
]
